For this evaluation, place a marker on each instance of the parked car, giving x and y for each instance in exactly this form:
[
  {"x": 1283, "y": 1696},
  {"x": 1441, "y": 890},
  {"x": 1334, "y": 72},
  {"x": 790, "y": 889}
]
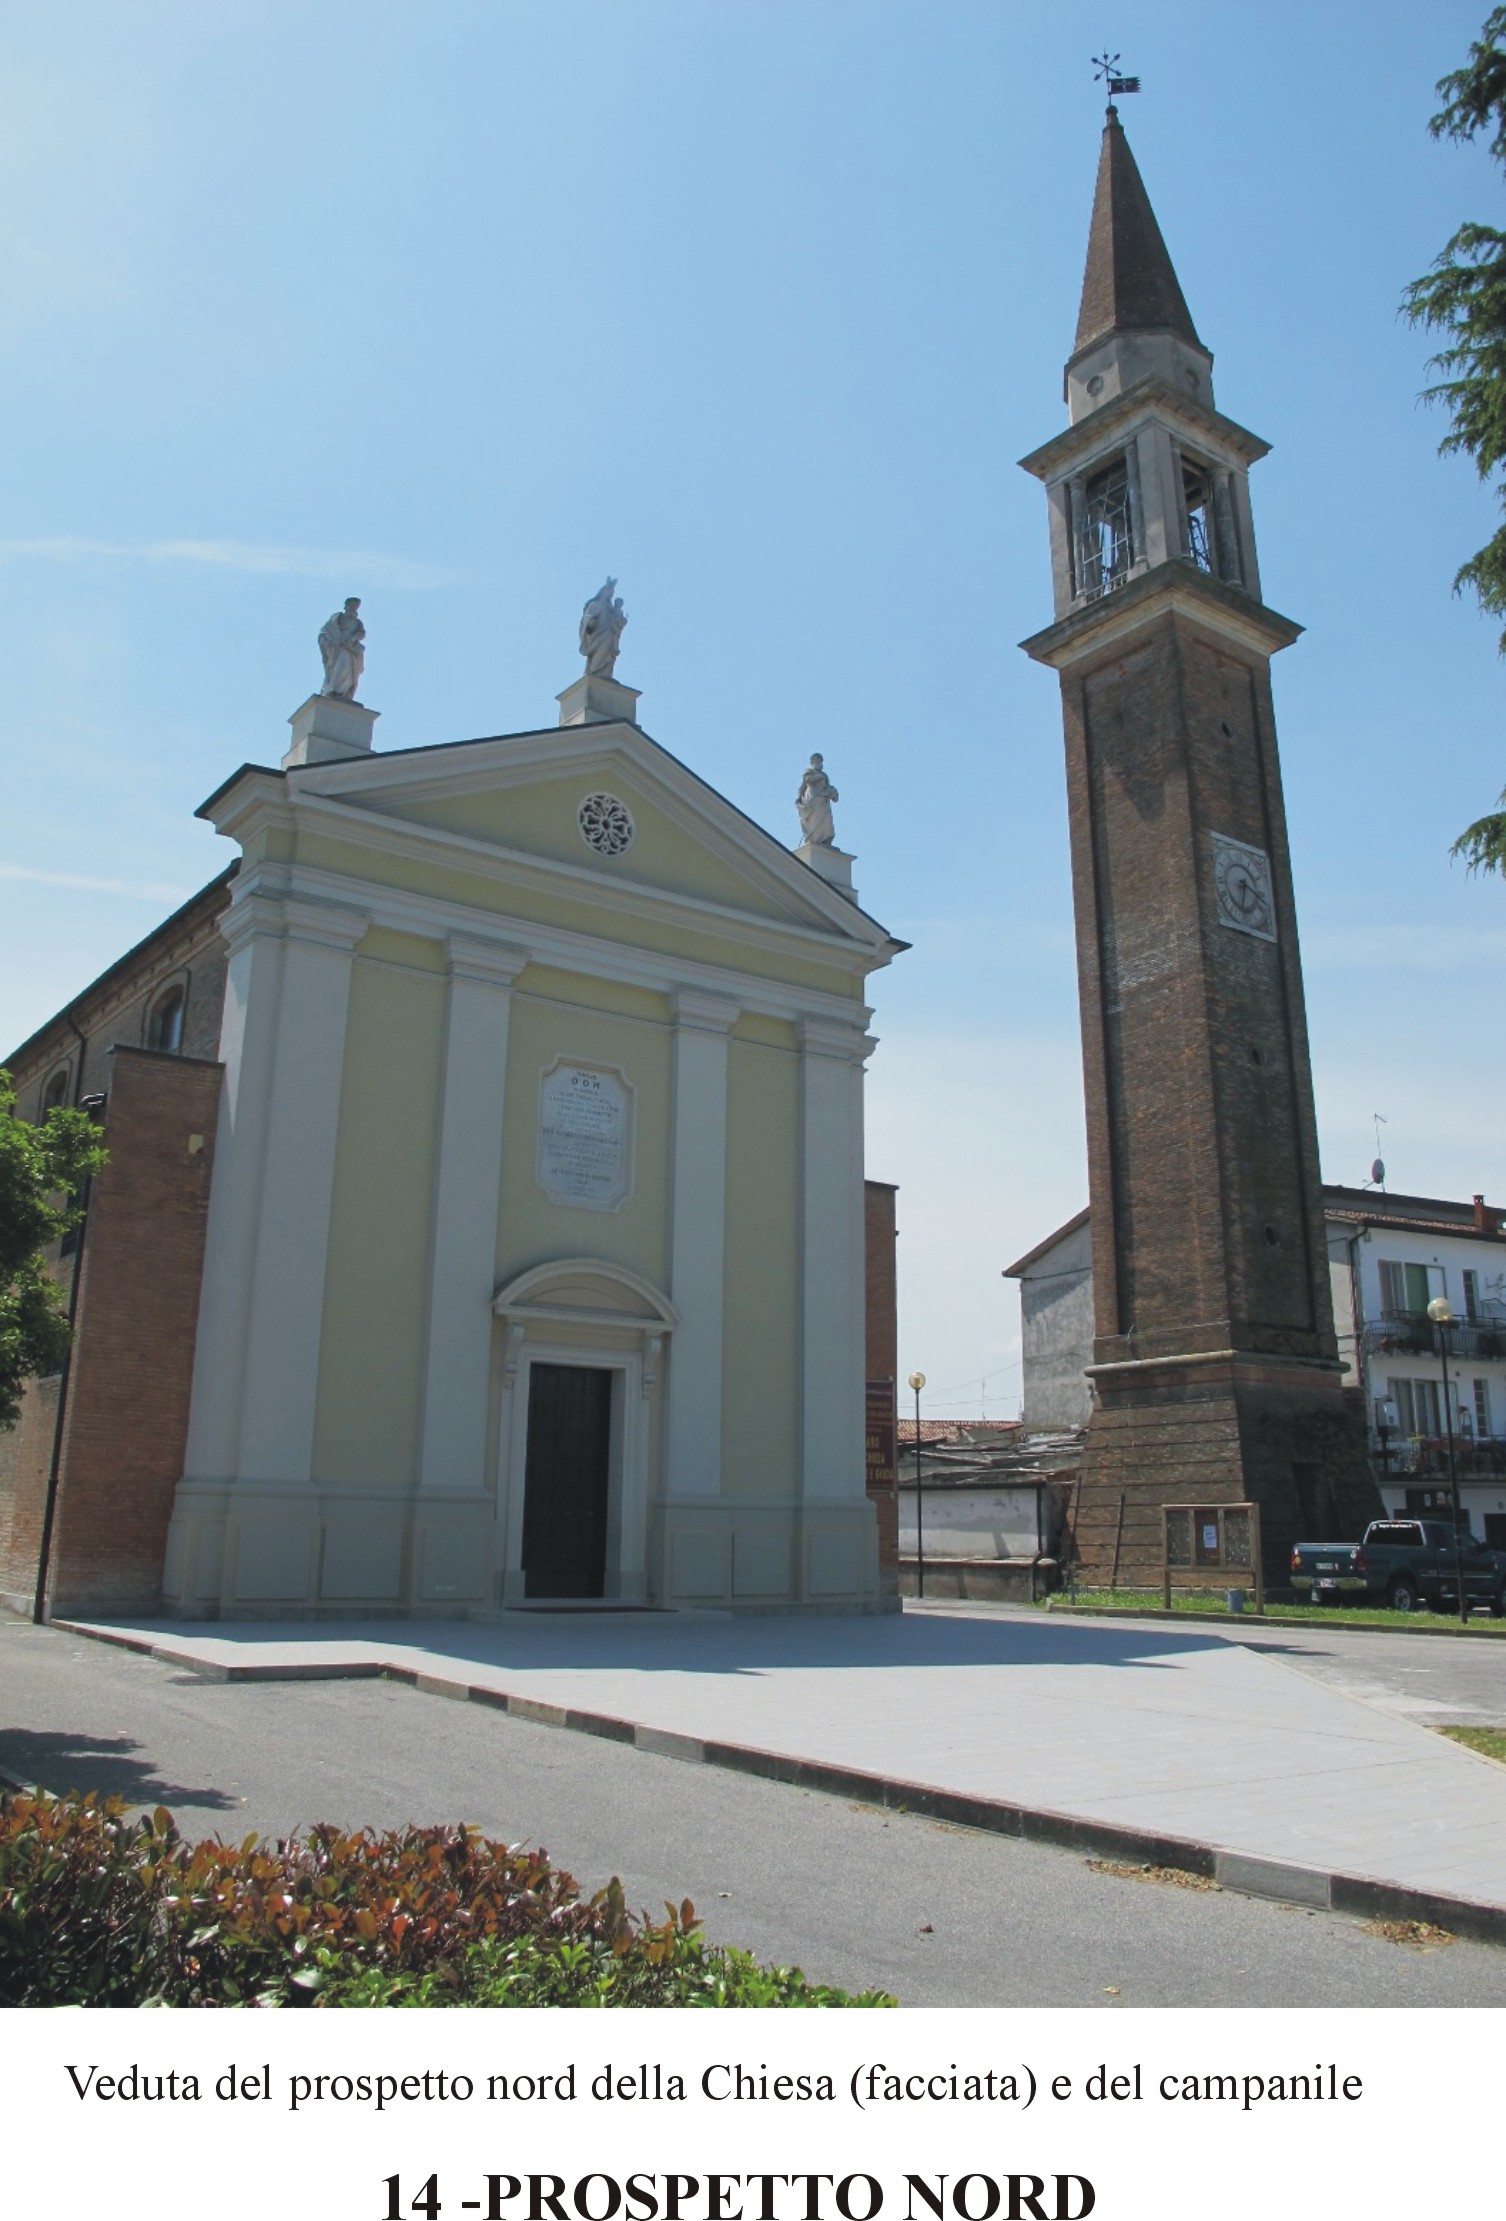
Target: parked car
[{"x": 1403, "y": 1563}]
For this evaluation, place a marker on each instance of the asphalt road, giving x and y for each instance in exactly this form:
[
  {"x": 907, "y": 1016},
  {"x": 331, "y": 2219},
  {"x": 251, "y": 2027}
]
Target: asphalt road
[{"x": 937, "y": 1915}]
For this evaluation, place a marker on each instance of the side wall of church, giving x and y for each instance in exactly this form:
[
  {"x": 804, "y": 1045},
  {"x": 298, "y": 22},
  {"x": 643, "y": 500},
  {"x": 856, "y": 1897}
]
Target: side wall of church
[
  {"x": 126, "y": 1414},
  {"x": 98, "y": 1527},
  {"x": 186, "y": 951}
]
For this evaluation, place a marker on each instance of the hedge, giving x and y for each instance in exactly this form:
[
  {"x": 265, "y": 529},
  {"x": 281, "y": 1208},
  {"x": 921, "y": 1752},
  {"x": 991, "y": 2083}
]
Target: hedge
[{"x": 98, "y": 1908}]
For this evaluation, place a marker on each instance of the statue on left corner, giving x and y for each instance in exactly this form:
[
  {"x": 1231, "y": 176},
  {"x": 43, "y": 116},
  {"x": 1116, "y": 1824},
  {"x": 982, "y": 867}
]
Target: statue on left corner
[
  {"x": 814, "y": 802},
  {"x": 342, "y": 643},
  {"x": 601, "y": 623}
]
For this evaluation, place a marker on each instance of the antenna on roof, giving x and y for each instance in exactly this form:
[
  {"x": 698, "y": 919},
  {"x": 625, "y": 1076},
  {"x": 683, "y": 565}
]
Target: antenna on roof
[
  {"x": 1377, "y": 1177},
  {"x": 1108, "y": 71}
]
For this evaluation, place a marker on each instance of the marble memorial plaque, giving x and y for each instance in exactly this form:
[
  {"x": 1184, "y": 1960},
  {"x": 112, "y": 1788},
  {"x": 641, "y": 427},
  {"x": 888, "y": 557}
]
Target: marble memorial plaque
[{"x": 585, "y": 1137}]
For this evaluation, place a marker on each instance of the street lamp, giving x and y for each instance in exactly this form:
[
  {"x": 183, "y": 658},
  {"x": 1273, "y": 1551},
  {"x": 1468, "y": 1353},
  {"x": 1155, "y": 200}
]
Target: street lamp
[
  {"x": 1440, "y": 1311},
  {"x": 917, "y": 1382}
]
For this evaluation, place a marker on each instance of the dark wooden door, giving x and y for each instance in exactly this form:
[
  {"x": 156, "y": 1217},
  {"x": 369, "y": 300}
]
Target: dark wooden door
[{"x": 565, "y": 1482}]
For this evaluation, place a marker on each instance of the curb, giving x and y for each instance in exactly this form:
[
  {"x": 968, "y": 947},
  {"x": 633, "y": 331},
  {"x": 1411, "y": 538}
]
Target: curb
[
  {"x": 1453, "y": 1632},
  {"x": 1314, "y": 1888}
]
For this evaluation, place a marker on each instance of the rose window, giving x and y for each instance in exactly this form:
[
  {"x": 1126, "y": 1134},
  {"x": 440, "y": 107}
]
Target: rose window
[{"x": 605, "y": 825}]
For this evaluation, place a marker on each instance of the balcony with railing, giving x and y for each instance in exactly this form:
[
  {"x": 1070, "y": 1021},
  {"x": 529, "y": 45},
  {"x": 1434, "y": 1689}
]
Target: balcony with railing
[
  {"x": 1413, "y": 1334},
  {"x": 1425, "y": 1456}
]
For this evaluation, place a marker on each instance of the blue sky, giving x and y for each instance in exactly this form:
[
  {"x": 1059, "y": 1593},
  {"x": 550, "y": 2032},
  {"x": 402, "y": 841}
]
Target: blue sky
[{"x": 753, "y": 303}]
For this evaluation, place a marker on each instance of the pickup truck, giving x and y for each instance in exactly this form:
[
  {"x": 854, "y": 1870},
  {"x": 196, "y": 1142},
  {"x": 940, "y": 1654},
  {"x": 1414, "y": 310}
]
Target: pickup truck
[{"x": 1403, "y": 1563}]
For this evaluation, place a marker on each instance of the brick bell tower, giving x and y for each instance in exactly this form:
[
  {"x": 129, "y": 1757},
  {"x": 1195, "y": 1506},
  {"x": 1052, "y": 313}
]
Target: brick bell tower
[{"x": 1215, "y": 1371}]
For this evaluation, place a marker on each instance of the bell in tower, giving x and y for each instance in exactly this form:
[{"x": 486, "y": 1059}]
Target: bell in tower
[{"x": 1215, "y": 1373}]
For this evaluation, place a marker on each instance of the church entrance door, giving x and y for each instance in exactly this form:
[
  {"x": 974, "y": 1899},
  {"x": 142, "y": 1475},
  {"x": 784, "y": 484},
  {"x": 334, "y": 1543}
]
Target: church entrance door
[{"x": 566, "y": 1479}]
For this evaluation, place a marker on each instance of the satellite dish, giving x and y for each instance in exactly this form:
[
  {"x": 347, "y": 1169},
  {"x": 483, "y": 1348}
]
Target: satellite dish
[{"x": 1378, "y": 1173}]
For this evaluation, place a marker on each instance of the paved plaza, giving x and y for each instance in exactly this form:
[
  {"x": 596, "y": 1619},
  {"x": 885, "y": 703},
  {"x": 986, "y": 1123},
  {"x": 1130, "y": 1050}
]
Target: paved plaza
[{"x": 1180, "y": 1734}]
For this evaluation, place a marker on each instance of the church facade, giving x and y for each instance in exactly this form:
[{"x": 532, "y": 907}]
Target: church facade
[{"x": 526, "y": 1168}]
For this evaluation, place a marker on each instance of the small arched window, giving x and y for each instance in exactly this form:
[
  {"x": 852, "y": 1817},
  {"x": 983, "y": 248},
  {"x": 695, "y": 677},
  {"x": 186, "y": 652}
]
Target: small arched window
[
  {"x": 165, "y": 1026},
  {"x": 55, "y": 1093}
]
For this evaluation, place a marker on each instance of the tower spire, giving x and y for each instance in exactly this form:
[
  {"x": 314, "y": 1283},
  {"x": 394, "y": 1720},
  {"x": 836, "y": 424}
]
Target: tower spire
[{"x": 1129, "y": 284}]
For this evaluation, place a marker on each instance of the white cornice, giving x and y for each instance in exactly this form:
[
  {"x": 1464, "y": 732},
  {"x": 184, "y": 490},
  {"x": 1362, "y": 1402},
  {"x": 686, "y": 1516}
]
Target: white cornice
[
  {"x": 557, "y": 947},
  {"x": 696, "y": 1012},
  {"x": 866, "y": 950},
  {"x": 1170, "y": 588},
  {"x": 1120, "y": 418},
  {"x": 839, "y": 931}
]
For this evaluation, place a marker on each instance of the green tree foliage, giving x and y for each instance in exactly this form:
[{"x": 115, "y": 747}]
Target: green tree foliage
[
  {"x": 1463, "y": 297},
  {"x": 42, "y": 1169}
]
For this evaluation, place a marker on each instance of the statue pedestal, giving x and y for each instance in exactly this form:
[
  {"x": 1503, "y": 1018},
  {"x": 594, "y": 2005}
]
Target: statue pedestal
[
  {"x": 834, "y": 865},
  {"x": 328, "y": 729},
  {"x": 598, "y": 702}
]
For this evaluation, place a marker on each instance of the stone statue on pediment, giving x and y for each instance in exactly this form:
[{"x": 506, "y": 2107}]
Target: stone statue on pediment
[
  {"x": 601, "y": 623},
  {"x": 813, "y": 803},
  {"x": 342, "y": 643}
]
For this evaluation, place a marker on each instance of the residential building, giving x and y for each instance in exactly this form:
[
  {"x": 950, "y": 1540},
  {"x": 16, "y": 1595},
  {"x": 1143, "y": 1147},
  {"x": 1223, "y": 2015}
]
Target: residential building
[{"x": 1389, "y": 1256}]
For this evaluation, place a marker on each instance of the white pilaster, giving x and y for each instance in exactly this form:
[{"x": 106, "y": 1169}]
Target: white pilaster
[
  {"x": 831, "y": 1239},
  {"x": 248, "y": 1040},
  {"x": 698, "y": 1243},
  {"x": 285, "y": 1308},
  {"x": 463, "y": 1255}
]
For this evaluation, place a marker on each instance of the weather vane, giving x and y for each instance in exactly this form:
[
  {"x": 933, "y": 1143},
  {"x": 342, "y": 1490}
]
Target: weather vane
[{"x": 1107, "y": 70}]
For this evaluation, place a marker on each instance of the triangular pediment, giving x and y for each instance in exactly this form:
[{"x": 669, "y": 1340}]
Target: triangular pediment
[{"x": 602, "y": 803}]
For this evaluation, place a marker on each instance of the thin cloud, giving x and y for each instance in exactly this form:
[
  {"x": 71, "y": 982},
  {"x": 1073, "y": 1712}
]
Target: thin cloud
[
  {"x": 232, "y": 555},
  {"x": 1419, "y": 947},
  {"x": 148, "y": 890}
]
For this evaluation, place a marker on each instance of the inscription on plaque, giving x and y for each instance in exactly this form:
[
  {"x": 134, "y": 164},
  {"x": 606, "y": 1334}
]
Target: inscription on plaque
[{"x": 585, "y": 1137}]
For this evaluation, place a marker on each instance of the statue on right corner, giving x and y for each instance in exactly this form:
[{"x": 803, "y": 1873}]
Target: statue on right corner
[{"x": 814, "y": 802}]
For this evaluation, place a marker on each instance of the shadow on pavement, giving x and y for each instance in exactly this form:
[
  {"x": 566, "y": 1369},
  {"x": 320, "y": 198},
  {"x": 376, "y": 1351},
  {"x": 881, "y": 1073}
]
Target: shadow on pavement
[
  {"x": 674, "y": 1643},
  {"x": 62, "y": 1762}
]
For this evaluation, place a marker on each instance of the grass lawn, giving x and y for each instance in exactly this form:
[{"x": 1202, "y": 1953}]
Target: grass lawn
[
  {"x": 1490, "y": 1742},
  {"x": 1212, "y": 1606}
]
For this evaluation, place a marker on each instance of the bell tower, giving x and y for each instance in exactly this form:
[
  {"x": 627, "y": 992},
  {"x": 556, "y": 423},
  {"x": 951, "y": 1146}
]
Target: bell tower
[{"x": 1215, "y": 1370}]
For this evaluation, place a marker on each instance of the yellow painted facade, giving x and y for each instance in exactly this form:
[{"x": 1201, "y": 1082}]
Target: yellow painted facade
[{"x": 408, "y": 1256}]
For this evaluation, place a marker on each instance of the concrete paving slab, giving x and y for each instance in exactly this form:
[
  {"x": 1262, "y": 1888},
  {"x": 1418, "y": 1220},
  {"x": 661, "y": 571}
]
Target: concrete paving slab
[{"x": 1142, "y": 1729}]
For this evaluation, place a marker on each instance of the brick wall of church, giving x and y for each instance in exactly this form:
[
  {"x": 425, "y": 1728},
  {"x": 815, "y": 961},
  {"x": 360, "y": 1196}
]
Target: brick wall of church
[
  {"x": 128, "y": 1384},
  {"x": 185, "y": 951}
]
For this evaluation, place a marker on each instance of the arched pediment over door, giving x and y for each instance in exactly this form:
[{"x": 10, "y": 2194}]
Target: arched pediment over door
[
  {"x": 588, "y": 1290},
  {"x": 588, "y": 1314}
]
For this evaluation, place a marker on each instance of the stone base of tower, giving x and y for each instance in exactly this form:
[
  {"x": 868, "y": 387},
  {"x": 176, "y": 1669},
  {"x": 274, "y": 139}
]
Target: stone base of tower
[{"x": 1226, "y": 1428}]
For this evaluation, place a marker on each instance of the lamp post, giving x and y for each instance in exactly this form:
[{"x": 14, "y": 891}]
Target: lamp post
[
  {"x": 1441, "y": 1313},
  {"x": 917, "y": 1382}
]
